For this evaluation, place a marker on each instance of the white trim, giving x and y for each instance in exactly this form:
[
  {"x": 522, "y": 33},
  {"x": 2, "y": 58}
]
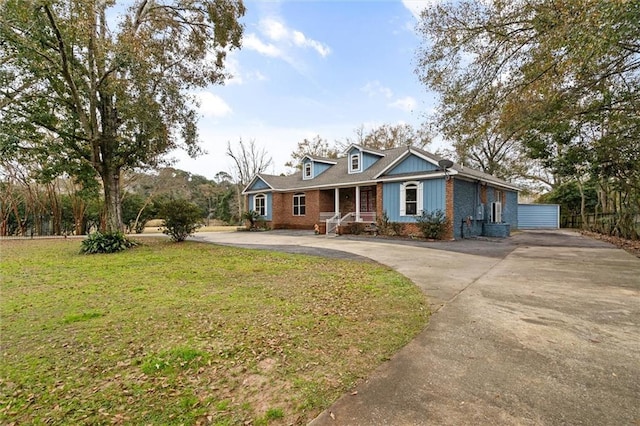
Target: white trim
[
  {"x": 357, "y": 204},
  {"x": 427, "y": 176},
  {"x": 256, "y": 177},
  {"x": 264, "y": 197},
  {"x": 363, "y": 149},
  {"x": 293, "y": 204},
  {"x": 304, "y": 170},
  {"x": 475, "y": 179},
  {"x": 496, "y": 212},
  {"x": 419, "y": 198},
  {"x": 319, "y": 160},
  {"x": 404, "y": 156},
  {"x": 352, "y": 157}
]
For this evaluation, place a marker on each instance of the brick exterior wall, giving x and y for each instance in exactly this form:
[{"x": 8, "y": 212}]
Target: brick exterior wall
[
  {"x": 283, "y": 217},
  {"x": 327, "y": 198},
  {"x": 347, "y": 200},
  {"x": 379, "y": 209},
  {"x": 449, "y": 212}
]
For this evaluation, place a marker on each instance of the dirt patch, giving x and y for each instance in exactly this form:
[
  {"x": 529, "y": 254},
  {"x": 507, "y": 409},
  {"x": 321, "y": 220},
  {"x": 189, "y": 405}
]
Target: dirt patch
[{"x": 631, "y": 246}]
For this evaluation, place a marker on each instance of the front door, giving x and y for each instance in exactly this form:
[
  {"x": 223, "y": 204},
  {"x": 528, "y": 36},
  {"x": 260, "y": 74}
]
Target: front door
[{"x": 367, "y": 200}]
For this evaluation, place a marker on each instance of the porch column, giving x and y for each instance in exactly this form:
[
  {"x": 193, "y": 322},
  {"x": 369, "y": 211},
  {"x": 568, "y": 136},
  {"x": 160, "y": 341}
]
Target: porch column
[
  {"x": 357, "y": 204},
  {"x": 336, "y": 201}
]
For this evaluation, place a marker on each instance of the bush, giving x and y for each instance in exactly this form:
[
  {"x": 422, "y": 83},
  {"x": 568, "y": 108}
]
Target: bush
[
  {"x": 386, "y": 227},
  {"x": 109, "y": 242},
  {"x": 252, "y": 216},
  {"x": 433, "y": 225},
  {"x": 180, "y": 219},
  {"x": 357, "y": 228},
  {"x": 262, "y": 225}
]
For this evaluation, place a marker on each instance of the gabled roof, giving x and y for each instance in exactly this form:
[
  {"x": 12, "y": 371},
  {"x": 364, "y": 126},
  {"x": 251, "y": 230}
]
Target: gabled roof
[
  {"x": 428, "y": 157},
  {"x": 256, "y": 178},
  {"x": 317, "y": 159},
  {"x": 377, "y": 152},
  {"x": 338, "y": 174}
]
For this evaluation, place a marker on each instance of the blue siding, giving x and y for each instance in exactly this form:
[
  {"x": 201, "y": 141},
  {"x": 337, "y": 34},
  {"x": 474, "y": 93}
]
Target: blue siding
[
  {"x": 353, "y": 151},
  {"x": 318, "y": 168},
  {"x": 269, "y": 204},
  {"x": 368, "y": 160},
  {"x": 466, "y": 202},
  {"x": 538, "y": 216},
  {"x": 258, "y": 184},
  {"x": 433, "y": 198},
  {"x": 510, "y": 209},
  {"x": 412, "y": 164}
]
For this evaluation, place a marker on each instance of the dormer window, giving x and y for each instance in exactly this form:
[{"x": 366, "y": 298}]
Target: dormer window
[
  {"x": 354, "y": 164},
  {"x": 307, "y": 171}
]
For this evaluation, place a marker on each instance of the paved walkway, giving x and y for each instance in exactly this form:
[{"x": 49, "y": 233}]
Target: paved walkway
[{"x": 539, "y": 329}]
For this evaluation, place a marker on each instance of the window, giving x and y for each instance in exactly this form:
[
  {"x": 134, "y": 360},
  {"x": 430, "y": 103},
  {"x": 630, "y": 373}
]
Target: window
[
  {"x": 307, "y": 170},
  {"x": 411, "y": 199},
  {"x": 260, "y": 204},
  {"x": 299, "y": 205},
  {"x": 355, "y": 163}
]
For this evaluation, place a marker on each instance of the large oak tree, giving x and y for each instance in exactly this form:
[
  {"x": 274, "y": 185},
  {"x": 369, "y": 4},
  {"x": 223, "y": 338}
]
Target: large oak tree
[
  {"x": 544, "y": 77},
  {"x": 555, "y": 80},
  {"x": 110, "y": 86}
]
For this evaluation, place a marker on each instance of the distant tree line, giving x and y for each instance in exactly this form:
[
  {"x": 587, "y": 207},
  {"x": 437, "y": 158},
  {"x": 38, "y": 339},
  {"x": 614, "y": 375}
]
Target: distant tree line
[{"x": 31, "y": 205}]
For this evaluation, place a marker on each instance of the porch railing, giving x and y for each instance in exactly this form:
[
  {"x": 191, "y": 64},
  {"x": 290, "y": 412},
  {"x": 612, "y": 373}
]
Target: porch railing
[
  {"x": 368, "y": 217},
  {"x": 333, "y": 220},
  {"x": 332, "y": 223}
]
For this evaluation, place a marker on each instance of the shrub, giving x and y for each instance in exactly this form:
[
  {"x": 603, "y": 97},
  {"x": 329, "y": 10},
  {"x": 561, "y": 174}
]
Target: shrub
[
  {"x": 109, "y": 242},
  {"x": 252, "y": 216},
  {"x": 396, "y": 228},
  {"x": 180, "y": 219},
  {"x": 386, "y": 227},
  {"x": 383, "y": 224},
  {"x": 357, "y": 228},
  {"x": 262, "y": 225},
  {"x": 433, "y": 225}
]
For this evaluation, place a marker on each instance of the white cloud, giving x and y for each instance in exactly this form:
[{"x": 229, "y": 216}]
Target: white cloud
[
  {"x": 283, "y": 36},
  {"x": 274, "y": 29},
  {"x": 212, "y": 105},
  {"x": 407, "y": 103},
  {"x": 374, "y": 88},
  {"x": 252, "y": 42},
  {"x": 417, "y": 6},
  {"x": 301, "y": 40},
  {"x": 232, "y": 66},
  {"x": 257, "y": 75},
  {"x": 240, "y": 76}
]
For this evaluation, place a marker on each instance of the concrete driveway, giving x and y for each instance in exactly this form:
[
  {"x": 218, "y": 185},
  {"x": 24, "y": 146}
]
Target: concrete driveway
[{"x": 540, "y": 329}]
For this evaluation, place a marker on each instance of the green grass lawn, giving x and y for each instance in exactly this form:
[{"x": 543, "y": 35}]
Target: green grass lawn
[{"x": 190, "y": 333}]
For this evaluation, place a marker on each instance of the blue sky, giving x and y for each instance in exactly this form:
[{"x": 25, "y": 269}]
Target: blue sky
[{"x": 311, "y": 68}]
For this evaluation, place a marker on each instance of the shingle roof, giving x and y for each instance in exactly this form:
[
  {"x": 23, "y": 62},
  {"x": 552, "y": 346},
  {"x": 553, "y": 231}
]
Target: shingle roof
[{"x": 338, "y": 174}]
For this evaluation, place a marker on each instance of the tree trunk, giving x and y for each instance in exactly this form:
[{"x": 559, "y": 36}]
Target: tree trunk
[
  {"x": 583, "y": 217},
  {"x": 112, "y": 200}
]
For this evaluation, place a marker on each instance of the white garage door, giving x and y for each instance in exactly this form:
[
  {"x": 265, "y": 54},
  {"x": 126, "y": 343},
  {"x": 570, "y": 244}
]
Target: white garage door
[{"x": 538, "y": 216}]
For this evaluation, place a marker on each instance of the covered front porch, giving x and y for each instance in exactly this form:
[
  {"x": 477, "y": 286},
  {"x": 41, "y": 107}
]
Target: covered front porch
[{"x": 343, "y": 207}]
